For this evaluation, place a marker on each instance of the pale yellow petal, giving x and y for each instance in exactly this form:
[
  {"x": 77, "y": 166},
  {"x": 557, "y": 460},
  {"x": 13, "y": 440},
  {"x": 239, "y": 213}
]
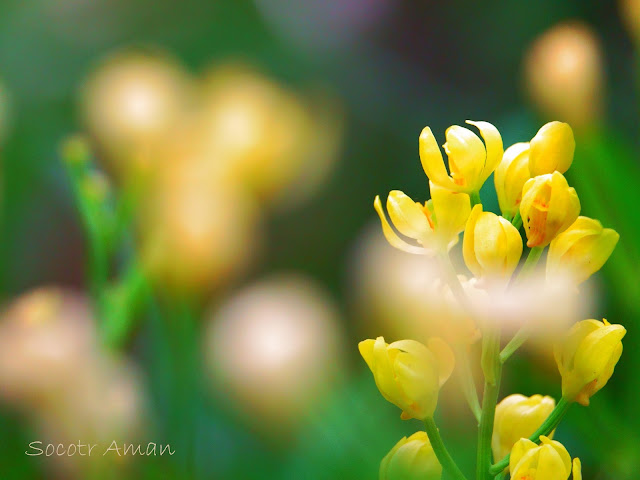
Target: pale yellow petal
[
  {"x": 467, "y": 155},
  {"x": 432, "y": 161},
  {"x": 468, "y": 243},
  {"x": 577, "y": 469},
  {"x": 407, "y": 216},
  {"x": 510, "y": 176},
  {"x": 366, "y": 350},
  {"x": 522, "y": 450},
  {"x": 595, "y": 353},
  {"x": 391, "y": 235},
  {"x": 560, "y": 450},
  {"x": 494, "y": 147},
  {"x": 564, "y": 205},
  {"x": 489, "y": 243},
  {"x": 551, "y": 464},
  {"x": 384, "y": 375},
  {"x": 583, "y": 226},
  {"x": 451, "y": 211}
]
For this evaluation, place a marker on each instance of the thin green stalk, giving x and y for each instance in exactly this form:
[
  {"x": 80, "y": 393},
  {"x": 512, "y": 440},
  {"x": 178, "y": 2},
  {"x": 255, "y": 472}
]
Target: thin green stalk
[
  {"x": 516, "y": 221},
  {"x": 475, "y": 199},
  {"x": 530, "y": 262},
  {"x": 451, "y": 277},
  {"x": 98, "y": 256},
  {"x": 448, "y": 464},
  {"x": 501, "y": 476},
  {"x": 493, "y": 371},
  {"x": 467, "y": 382},
  {"x": 548, "y": 426},
  {"x": 523, "y": 334},
  {"x": 464, "y": 370},
  {"x": 514, "y": 344},
  {"x": 121, "y": 304}
]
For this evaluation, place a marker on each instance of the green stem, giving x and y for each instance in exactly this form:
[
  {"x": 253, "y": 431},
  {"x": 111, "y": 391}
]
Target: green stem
[
  {"x": 516, "y": 221},
  {"x": 493, "y": 371},
  {"x": 467, "y": 382},
  {"x": 475, "y": 199},
  {"x": 514, "y": 344},
  {"x": 451, "y": 277},
  {"x": 448, "y": 464},
  {"x": 464, "y": 370},
  {"x": 121, "y": 304},
  {"x": 523, "y": 334},
  {"x": 98, "y": 257},
  {"x": 548, "y": 426},
  {"x": 530, "y": 262}
]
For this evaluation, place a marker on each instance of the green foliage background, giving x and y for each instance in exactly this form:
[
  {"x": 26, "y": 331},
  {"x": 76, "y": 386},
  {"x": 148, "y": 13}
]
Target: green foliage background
[{"x": 421, "y": 62}]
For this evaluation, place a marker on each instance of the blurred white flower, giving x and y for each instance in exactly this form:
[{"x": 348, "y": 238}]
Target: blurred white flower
[{"x": 273, "y": 349}]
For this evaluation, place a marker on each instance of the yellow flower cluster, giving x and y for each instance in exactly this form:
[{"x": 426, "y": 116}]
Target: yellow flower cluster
[{"x": 534, "y": 194}]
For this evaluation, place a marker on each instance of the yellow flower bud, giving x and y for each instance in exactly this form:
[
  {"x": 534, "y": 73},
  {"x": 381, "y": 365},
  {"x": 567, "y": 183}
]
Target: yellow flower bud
[
  {"x": 434, "y": 225},
  {"x": 586, "y": 357},
  {"x": 412, "y": 458},
  {"x": 547, "y": 461},
  {"x": 549, "y": 206},
  {"x": 510, "y": 177},
  {"x": 408, "y": 374},
  {"x": 552, "y": 149},
  {"x": 581, "y": 250},
  {"x": 491, "y": 246},
  {"x": 470, "y": 161},
  {"x": 518, "y": 417}
]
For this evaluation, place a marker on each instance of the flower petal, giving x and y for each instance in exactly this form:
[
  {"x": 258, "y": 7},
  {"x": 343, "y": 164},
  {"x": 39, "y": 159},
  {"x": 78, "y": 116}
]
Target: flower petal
[
  {"x": 494, "y": 147},
  {"x": 432, "y": 161},
  {"x": 391, "y": 235},
  {"x": 467, "y": 155},
  {"x": 407, "y": 216}
]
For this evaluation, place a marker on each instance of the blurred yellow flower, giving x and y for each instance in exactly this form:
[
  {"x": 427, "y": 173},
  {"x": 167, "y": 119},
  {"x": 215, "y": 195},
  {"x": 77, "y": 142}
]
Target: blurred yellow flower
[
  {"x": 564, "y": 74},
  {"x": 551, "y": 149},
  {"x": 470, "y": 161},
  {"x": 630, "y": 14},
  {"x": 491, "y": 245},
  {"x": 434, "y": 225},
  {"x": 411, "y": 458},
  {"x": 518, "y": 417},
  {"x": 586, "y": 357},
  {"x": 510, "y": 176},
  {"x": 547, "y": 461},
  {"x": 131, "y": 103},
  {"x": 277, "y": 142},
  {"x": 581, "y": 250},
  {"x": 408, "y": 374},
  {"x": 195, "y": 232},
  {"x": 549, "y": 206}
]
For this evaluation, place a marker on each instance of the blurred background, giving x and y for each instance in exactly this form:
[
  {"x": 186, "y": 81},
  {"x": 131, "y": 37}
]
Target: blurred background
[{"x": 188, "y": 246}]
